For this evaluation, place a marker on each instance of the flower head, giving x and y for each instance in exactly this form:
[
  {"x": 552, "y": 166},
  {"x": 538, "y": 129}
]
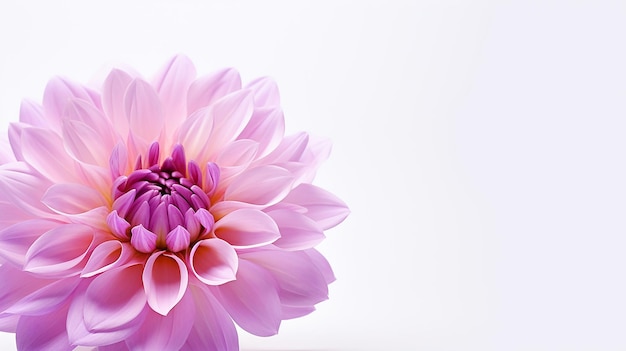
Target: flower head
[{"x": 152, "y": 215}]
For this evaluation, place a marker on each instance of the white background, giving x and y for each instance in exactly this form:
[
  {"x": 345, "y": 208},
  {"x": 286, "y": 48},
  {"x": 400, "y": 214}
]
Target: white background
[{"x": 479, "y": 144}]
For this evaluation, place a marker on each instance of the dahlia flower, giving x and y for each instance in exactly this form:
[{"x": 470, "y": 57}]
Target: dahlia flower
[{"x": 151, "y": 215}]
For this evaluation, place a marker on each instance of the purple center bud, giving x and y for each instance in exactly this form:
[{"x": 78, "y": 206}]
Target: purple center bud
[{"x": 163, "y": 206}]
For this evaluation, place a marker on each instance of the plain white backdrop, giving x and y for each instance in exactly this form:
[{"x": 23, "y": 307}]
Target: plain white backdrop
[{"x": 479, "y": 144}]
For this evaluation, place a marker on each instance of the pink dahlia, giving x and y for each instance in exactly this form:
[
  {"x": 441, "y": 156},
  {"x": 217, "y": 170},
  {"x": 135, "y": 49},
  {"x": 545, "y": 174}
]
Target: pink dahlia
[{"x": 151, "y": 215}]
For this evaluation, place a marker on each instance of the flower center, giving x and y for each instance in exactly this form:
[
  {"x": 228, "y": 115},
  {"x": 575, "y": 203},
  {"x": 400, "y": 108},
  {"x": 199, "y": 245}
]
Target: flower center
[{"x": 163, "y": 206}]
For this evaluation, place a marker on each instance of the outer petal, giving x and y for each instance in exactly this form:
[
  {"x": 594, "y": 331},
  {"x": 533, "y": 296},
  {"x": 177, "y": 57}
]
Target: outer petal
[
  {"x": 45, "y": 300},
  {"x": 59, "y": 251},
  {"x": 213, "y": 329},
  {"x": 171, "y": 84},
  {"x": 22, "y": 186},
  {"x": 16, "y": 284},
  {"x": 108, "y": 255},
  {"x": 323, "y": 207},
  {"x": 46, "y": 332},
  {"x": 267, "y": 127},
  {"x": 322, "y": 265},
  {"x": 246, "y": 228},
  {"x": 143, "y": 110},
  {"x": 113, "y": 99},
  {"x": 8, "y": 322},
  {"x": 252, "y": 299},
  {"x": 265, "y": 92},
  {"x": 213, "y": 261},
  {"x": 230, "y": 115},
  {"x": 206, "y": 90},
  {"x": 43, "y": 149},
  {"x": 16, "y": 239},
  {"x": 114, "y": 299},
  {"x": 263, "y": 185},
  {"x": 297, "y": 231},
  {"x": 165, "y": 281},
  {"x": 32, "y": 113},
  {"x": 86, "y": 144},
  {"x": 72, "y": 198},
  {"x": 193, "y": 133},
  {"x": 56, "y": 96},
  {"x": 165, "y": 333}
]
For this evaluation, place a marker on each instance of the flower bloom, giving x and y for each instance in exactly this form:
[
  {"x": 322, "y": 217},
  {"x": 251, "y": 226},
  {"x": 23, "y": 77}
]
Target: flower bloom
[{"x": 151, "y": 215}]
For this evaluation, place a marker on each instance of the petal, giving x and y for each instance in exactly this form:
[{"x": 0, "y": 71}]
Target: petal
[
  {"x": 44, "y": 300},
  {"x": 177, "y": 239},
  {"x": 114, "y": 299},
  {"x": 297, "y": 231},
  {"x": 58, "y": 251},
  {"x": 8, "y": 322},
  {"x": 322, "y": 206},
  {"x": 238, "y": 153},
  {"x": 16, "y": 284},
  {"x": 108, "y": 255},
  {"x": 172, "y": 84},
  {"x": 213, "y": 261},
  {"x": 322, "y": 265},
  {"x": 263, "y": 185},
  {"x": 290, "y": 149},
  {"x": 86, "y": 113},
  {"x": 113, "y": 99},
  {"x": 43, "y": 332},
  {"x": 252, "y": 299},
  {"x": 22, "y": 186},
  {"x": 290, "y": 312},
  {"x": 143, "y": 110},
  {"x": 16, "y": 239},
  {"x": 267, "y": 127},
  {"x": 213, "y": 329},
  {"x": 118, "y": 225},
  {"x": 247, "y": 228},
  {"x": 72, "y": 198},
  {"x": 167, "y": 333},
  {"x": 265, "y": 92},
  {"x": 165, "y": 281},
  {"x": 206, "y": 90},
  {"x": 43, "y": 149},
  {"x": 300, "y": 282},
  {"x": 193, "y": 133},
  {"x": 142, "y": 239},
  {"x": 85, "y": 144},
  {"x": 230, "y": 115},
  {"x": 32, "y": 113},
  {"x": 57, "y": 94}
]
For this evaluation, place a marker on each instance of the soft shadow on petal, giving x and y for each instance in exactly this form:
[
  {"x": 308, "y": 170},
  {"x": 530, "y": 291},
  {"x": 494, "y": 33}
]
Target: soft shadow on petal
[
  {"x": 16, "y": 239},
  {"x": 72, "y": 198},
  {"x": 246, "y": 228},
  {"x": 46, "y": 299},
  {"x": 213, "y": 261},
  {"x": 108, "y": 255},
  {"x": 165, "y": 281}
]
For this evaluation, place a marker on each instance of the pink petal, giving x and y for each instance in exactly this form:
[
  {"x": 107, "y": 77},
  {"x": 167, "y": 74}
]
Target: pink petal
[
  {"x": 108, "y": 255},
  {"x": 322, "y": 265},
  {"x": 72, "y": 198},
  {"x": 113, "y": 99},
  {"x": 143, "y": 110},
  {"x": 142, "y": 239},
  {"x": 238, "y": 153},
  {"x": 16, "y": 284},
  {"x": 246, "y": 228},
  {"x": 265, "y": 92},
  {"x": 114, "y": 299},
  {"x": 252, "y": 299},
  {"x": 193, "y": 134},
  {"x": 177, "y": 239},
  {"x": 290, "y": 149},
  {"x": 85, "y": 144},
  {"x": 165, "y": 281},
  {"x": 300, "y": 282},
  {"x": 263, "y": 185},
  {"x": 165, "y": 332},
  {"x": 290, "y": 312},
  {"x": 58, "y": 251},
  {"x": 15, "y": 139},
  {"x": 267, "y": 127},
  {"x": 322, "y": 206},
  {"x": 297, "y": 231},
  {"x": 43, "y": 149},
  {"x": 172, "y": 84},
  {"x": 46, "y": 332},
  {"x": 91, "y": 116},
  {"x": 32, "y": 113},
  {"x": 206, "y": 90},
  {"x": 230, "y": 115},
  {"x": 213, "y": 329},
  {"x": 22, "y": 186},
  {"x": 8, "y": 322},
  {"x": 16, "y": 239},
  {"x": 118, "y": 161},
  {"x": 118, "y": 225},
  {"x": 45, "y": 300},
  {"x": 213, "y": 261},
  {"x": 57, "y": 94}
]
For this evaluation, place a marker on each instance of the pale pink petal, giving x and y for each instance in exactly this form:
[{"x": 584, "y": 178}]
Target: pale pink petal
[
  {"x": 259, "y": 312},
  {"x": 113, "y": 99},
  {"x": 85, "y": 144},
  {"x": 86, "y": 113},
  {"x": 32, "y": 113},
  {"x": 267, "y": 127},
  {"x": 297, "y": 231},
  {"x": 299, "y": 281},
  {"x": 165, "y": 281},
  {"x": 212, "y": 329},
  {"x": 165, "y": 332},
  {"x": 290, "y": 312},
  {"x": 16, "y": 239},
  {"x": 290, "y": 149},
  {"x": 118, "y": 161},
  {"x": 222, "y": 208},
  {"x": 194, "y": 132},
  {"x": 318, "y": 150},
  {"x": 143, "y": 110},
  {"x": 8, "y": 322},
  {"x": 44, "y": 300},
  {"x": 57, "y": 94},
  {"x": 15, "y": 139},
  {"x": 94, "y": 218},
  {"x": 172, "y": 84},
  {"x": 230, "y": 115},
  {"x": 263, "y": 185},
  {"x": 118, "y": 346},
  {"x": 23, "y": 187},
  {"x": 206, "y": 90},
  {"x": 16, "y": 284},
  {"x": 322, "y": 265},
  {"x": 59, "y": 251},
  {"x": 118, "y": 225},
  {"x": 43, "y": 149},
  {"x": 265, "y": 92},
  {"x": 177, "y": 239},
  {"x": 11, "y": 214},
  {"x": 213, "y": 261},
  {"x": 322, "y": 206},
  {"x": 45, "y": 332},
  {"x": 238, "y": 153},
  {"x": 108, "y": 255},
  {"x": 246, "y": 228},
  {"x": 114, "y": 299},
  {"x": 72, "y": 198},
  {"x": 142, "y": 239}
]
